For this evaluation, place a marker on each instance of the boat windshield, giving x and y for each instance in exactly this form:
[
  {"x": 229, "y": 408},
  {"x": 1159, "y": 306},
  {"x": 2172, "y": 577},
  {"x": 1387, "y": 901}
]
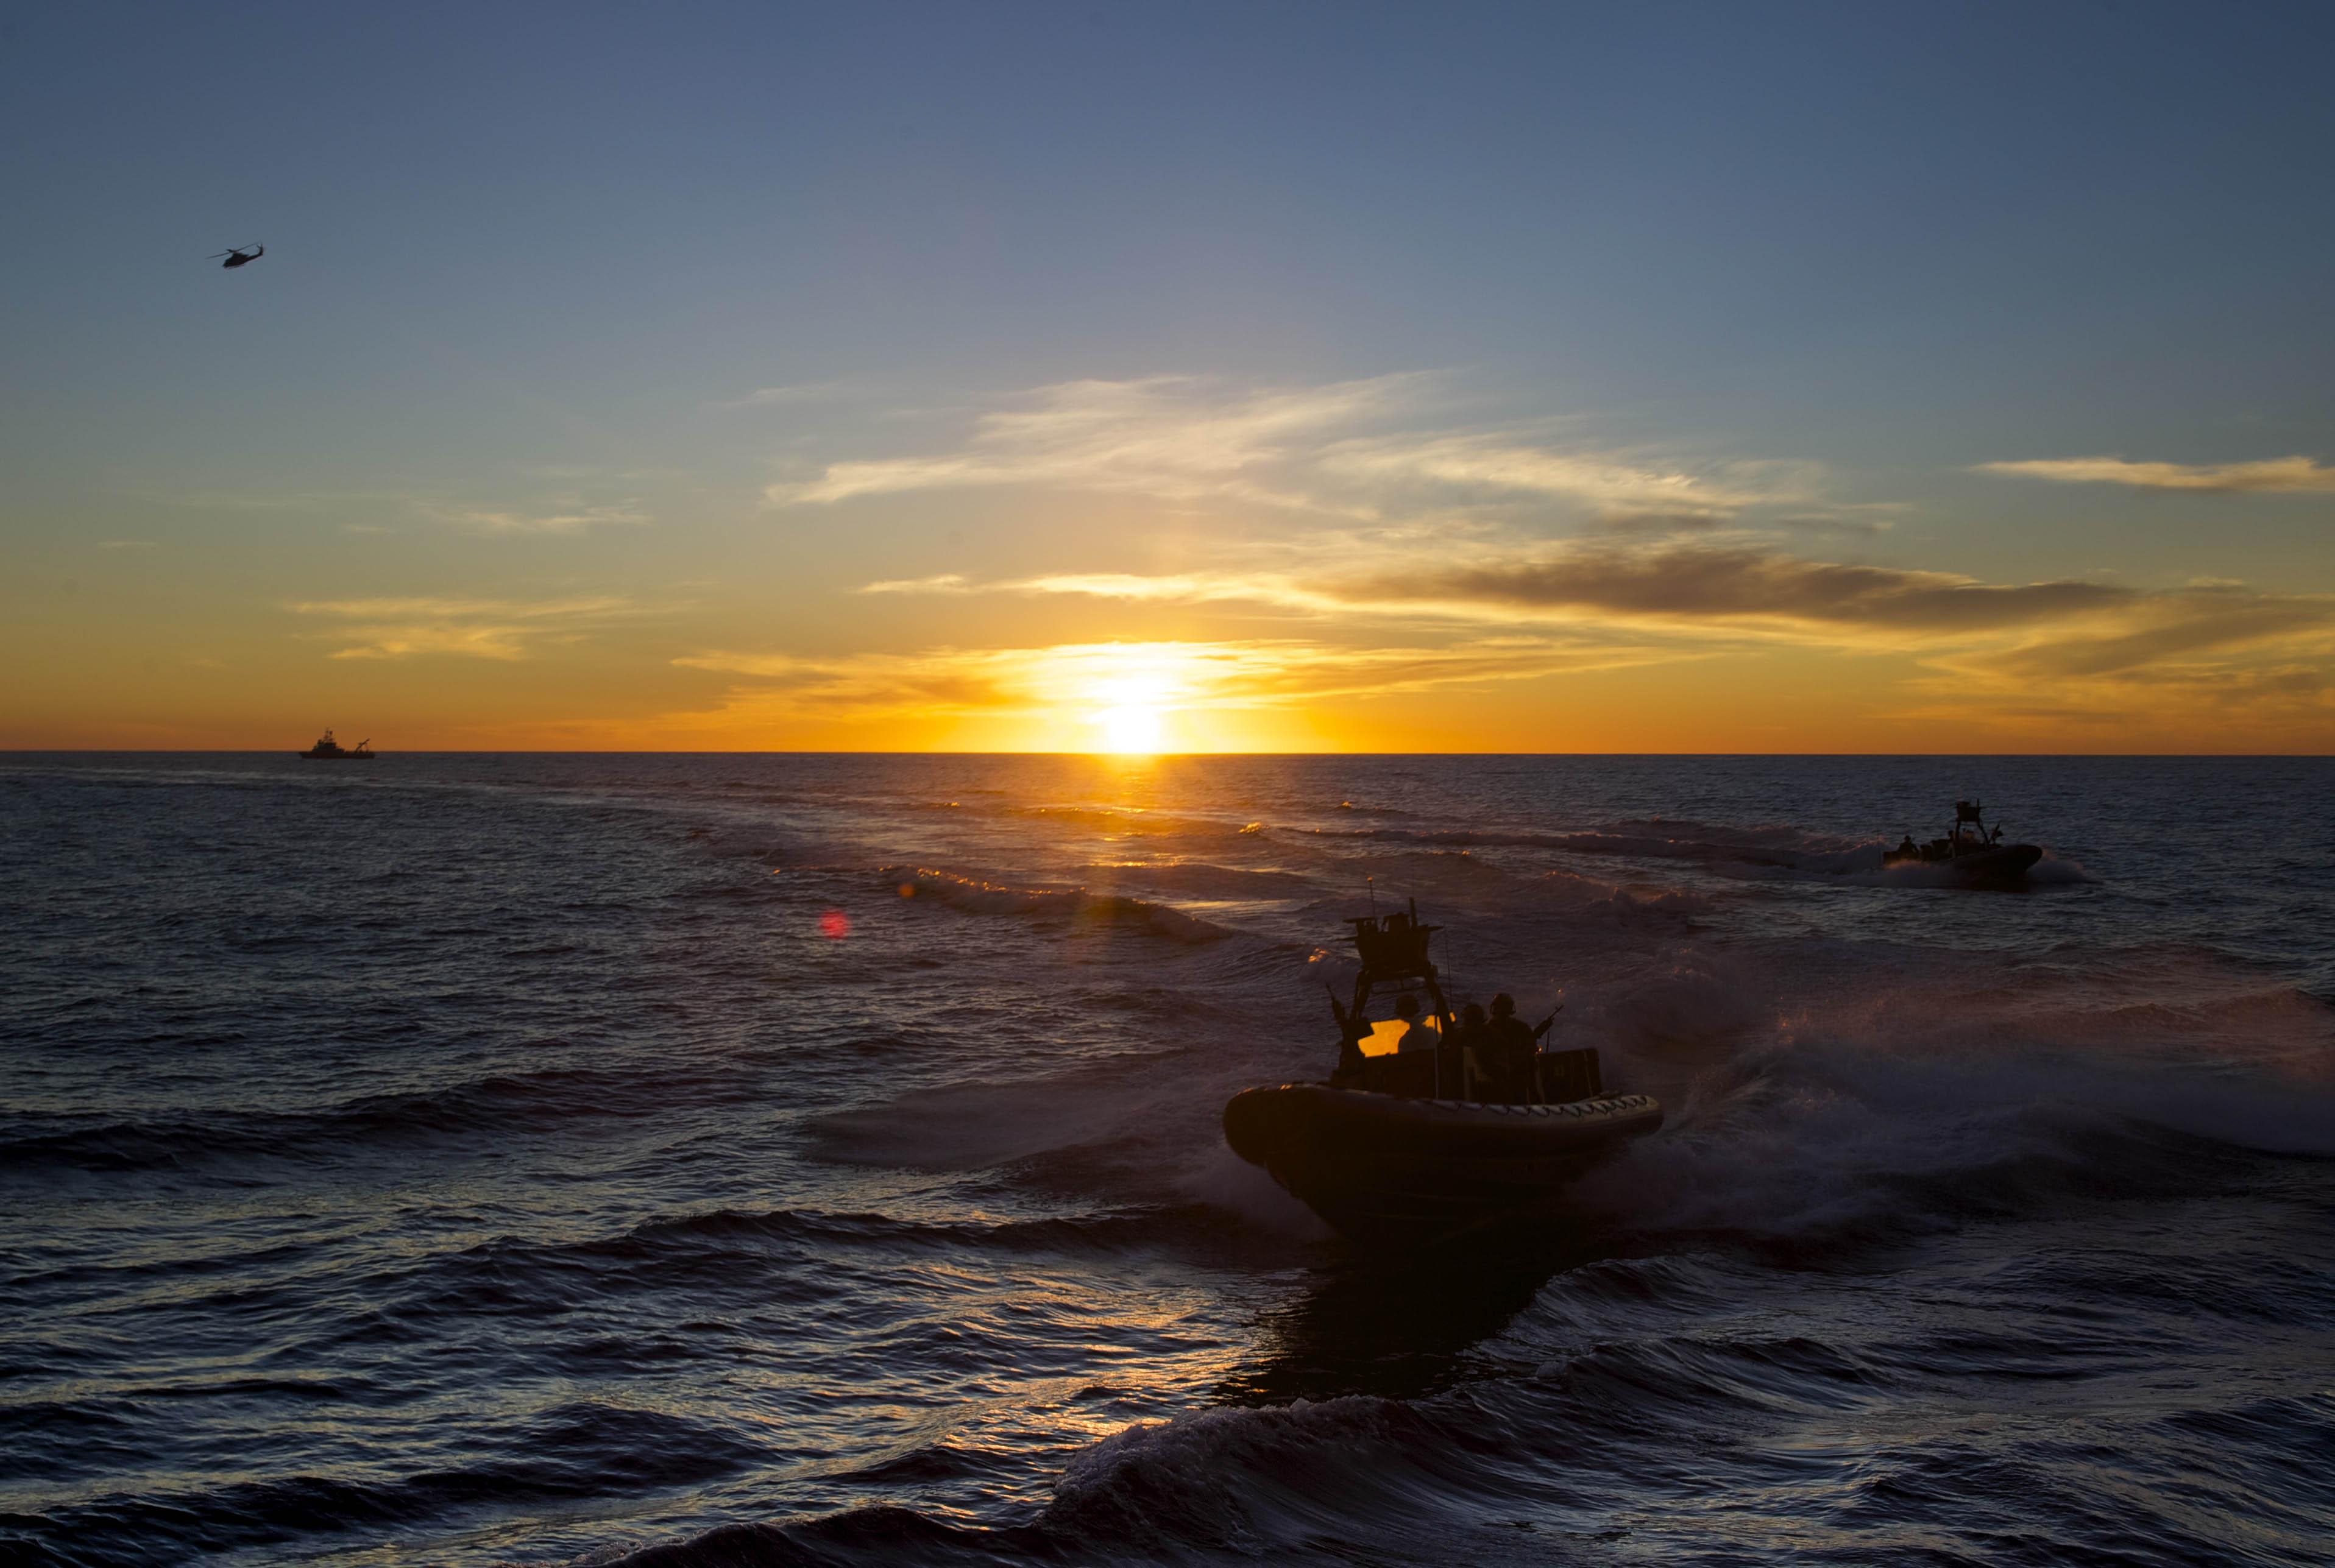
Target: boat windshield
[{"x": 1387, "y": 1035}]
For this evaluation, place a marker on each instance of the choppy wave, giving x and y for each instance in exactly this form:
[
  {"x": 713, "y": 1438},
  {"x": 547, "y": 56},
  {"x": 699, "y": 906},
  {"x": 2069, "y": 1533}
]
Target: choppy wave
[
  {"x": 1075, "y": 906},
  {"x": 500, "y": 1104},
  {"x": 563, "y": 1183},
  {"x": 1201, "y": 879},
  {"x": 1129, "y": 821},
  {"x": 1615, "y": 1373},
  {"x": 572, "y": 1452},
  {"x": 1779, "y": 847}
]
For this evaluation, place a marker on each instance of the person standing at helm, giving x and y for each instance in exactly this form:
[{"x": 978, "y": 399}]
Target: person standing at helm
[{"x": 1513, "y": 1046}]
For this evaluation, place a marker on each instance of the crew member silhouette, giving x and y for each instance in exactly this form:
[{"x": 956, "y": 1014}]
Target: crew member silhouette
[
  {"x": 1471, "y": 1037},
  {"x": 1415, "y": 1036},
  {"x": 1514, "y": 1042}
]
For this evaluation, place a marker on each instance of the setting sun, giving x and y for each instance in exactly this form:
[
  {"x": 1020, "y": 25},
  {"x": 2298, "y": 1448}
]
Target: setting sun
[
  {"x": 1131, "y": 711},
  {"x": 1130, "y": 727}
]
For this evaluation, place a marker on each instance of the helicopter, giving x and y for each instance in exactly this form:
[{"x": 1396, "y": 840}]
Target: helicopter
[{"x": 240, "y": 256}]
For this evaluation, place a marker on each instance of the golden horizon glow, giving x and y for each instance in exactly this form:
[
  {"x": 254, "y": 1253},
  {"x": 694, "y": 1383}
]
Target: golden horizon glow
[
  {"x": 1362, "y": 620},
  {"x": 1508, "y": 693}
]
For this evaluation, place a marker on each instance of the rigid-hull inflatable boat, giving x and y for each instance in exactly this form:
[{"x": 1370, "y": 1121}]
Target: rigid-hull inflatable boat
[
  {"x": 1975, "y": 859},
  {"x": 1429, "y": 1126}
]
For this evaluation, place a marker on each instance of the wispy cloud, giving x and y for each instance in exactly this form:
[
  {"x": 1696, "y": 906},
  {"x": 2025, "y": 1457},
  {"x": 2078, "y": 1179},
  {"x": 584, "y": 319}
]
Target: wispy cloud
[
  {"x": 798, "y": 394},
  {"x": 570, "y": 519},
  {"x": 2272, "y": 475},
  {"x": 1859, "y": 519},
  {"x": 2165, "y": 635},
  {"x": 1716, "y": 585},
  {"x": 505, "y": 629},
  {"x": 945, "y": 582},
  {"x": 1275, "y": 589},
  {"x": 1733, "y": 584},
  {"x": 2084, "y": 642},
  {"x": 1492, "y": 466},
  {"x": 278, "y": 501},
  {"x": 1349, "y": 449},
  {"x": 567, "y": 509},
  {"x": 1174, "y": 437}
]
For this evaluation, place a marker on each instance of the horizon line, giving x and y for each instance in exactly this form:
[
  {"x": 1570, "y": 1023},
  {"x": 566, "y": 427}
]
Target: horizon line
[{"x": 1100, "y": 756}]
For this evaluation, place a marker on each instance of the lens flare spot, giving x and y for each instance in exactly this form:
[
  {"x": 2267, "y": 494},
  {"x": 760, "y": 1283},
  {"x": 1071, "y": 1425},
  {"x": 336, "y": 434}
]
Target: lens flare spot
[{"x": 835, "y": 925}]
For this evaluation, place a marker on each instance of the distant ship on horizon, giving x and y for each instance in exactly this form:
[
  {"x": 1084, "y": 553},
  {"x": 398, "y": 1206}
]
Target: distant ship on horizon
[{"x": 331, "y": 750}]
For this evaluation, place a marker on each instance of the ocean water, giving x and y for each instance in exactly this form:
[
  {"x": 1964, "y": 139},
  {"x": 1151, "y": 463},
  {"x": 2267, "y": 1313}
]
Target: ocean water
[{"x": 729, "y": 1160}]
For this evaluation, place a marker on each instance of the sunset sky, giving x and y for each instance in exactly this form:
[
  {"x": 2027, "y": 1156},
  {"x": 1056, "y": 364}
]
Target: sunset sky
[{"x": 1726, "y": 377}]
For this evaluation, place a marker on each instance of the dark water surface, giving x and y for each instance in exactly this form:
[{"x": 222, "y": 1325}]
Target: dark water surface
[{"x": 711, "y": 1159}]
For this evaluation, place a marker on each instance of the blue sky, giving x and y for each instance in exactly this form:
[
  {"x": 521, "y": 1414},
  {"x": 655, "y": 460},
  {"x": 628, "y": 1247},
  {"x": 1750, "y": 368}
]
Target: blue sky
[{"x": 571, "y": 315}]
